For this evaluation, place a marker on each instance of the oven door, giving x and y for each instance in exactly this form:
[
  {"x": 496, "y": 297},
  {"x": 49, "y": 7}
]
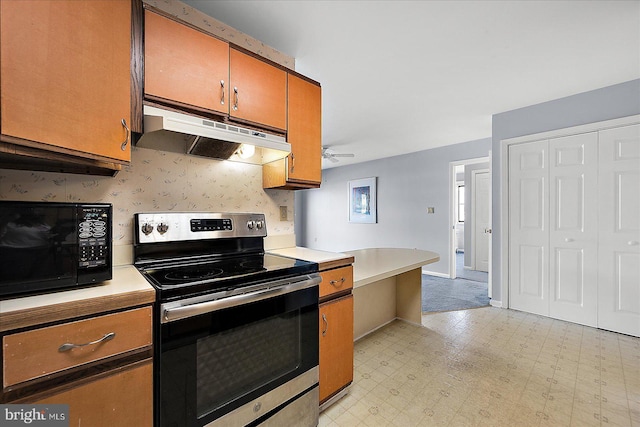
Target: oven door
[{"x": 233, "y": 361}]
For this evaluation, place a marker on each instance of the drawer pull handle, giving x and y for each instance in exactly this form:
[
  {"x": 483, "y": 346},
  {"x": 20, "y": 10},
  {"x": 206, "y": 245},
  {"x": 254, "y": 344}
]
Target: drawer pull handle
[
  {"x": 335, "y": 282},
  {"x": 326, "y": 324},
  {"x": 69, "y": 346},
  {"x": 235, "y": 103},
  {"x": 123, "y": 146}
]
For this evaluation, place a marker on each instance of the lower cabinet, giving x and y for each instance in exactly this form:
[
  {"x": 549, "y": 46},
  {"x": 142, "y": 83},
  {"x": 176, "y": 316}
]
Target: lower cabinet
[
  {"x": 336, "y": 346},
  {"x": 101, "y": 366},
  {"x": 121, "y": 398}
]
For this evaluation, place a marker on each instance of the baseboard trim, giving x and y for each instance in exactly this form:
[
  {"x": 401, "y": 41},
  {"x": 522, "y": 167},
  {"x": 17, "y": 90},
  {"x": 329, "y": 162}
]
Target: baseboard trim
[
  {"x": 375, "y": 329},
  {"x": 495, "y": 303},
  {"x": 433, "y": 273}
]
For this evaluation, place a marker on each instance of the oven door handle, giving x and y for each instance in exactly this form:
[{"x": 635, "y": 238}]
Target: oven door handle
[{"x": 169, "y": 314}]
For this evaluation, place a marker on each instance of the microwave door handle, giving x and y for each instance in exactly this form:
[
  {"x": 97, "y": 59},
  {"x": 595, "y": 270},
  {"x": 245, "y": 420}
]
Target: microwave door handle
[{"x": 181, "y": 312}]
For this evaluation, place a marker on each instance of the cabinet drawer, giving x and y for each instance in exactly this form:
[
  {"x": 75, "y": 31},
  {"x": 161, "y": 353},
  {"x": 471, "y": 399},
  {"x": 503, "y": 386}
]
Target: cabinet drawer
[
  {"x": 336, "y": 280},
  {"x": 36, "y": 353}
]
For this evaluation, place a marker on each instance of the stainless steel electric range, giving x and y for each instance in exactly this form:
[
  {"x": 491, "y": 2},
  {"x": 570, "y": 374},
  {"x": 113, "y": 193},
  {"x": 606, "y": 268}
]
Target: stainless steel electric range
[{"x": 236, "y": 329}]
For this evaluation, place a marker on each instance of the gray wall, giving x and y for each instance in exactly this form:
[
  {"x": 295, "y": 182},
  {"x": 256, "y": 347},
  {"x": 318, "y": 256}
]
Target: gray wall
[
  {"x": 407, "y": 185},
  {"x": 607, "y": 103}
]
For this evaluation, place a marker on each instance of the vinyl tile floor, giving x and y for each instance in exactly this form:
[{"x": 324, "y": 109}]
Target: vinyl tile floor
[{"x": 491, "y": 367}]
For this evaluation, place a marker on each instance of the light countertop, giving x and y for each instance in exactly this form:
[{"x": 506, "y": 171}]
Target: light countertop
[
  {"x": 325, "y": 260},
  {"x": 128, "y": 288},
  {"x": 376, "y": 264}
]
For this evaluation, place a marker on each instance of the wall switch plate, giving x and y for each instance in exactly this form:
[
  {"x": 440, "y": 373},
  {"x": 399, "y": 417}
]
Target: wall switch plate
[
  {"x": 283, "y": 213},
  {"x": 431, "y": 210}
]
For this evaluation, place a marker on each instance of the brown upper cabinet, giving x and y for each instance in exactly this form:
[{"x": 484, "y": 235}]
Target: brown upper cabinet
[
  {"x": 65, "y": 78},
  {"x": 184, "y": 66},
  {"x": 302, "y": 168},
  {"x": 258, "y": 91}
]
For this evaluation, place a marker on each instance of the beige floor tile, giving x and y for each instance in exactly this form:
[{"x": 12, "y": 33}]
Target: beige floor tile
[{"x": 491, "y": 367}]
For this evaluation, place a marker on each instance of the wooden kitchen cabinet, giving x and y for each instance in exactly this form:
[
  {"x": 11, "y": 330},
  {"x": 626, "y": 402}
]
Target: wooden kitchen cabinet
[
  {"x": 336, "y": 331},
  {"x": 336, "y": 346},
  {"x": 65, "y": 80},
  {"x": 105, "y": 375},
  {"x": 122, "y": 398},
  {"x": 184, "y": 66},
  {"x": 302, "y": 168},
  {"x": 258, "y": 91}
]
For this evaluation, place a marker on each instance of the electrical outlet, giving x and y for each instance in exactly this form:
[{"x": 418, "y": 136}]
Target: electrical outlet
[
  {"x": 431, "y": 210},
  {"x": 283, "y": 213}
]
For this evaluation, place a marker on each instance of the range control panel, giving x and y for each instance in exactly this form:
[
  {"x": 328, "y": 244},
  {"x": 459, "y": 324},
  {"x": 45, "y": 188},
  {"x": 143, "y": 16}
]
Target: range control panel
[
  {"x": 94, "y": 236},
  {"x": 179, "y": 226}
]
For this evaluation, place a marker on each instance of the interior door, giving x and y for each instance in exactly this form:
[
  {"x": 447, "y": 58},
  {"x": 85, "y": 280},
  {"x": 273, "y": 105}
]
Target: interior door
[
  {"x": 529, "y": 227},
  {"x": 481, "y": 219},
  {"x": 619, "y": 237},
  {"x": 573, "y": 232}
]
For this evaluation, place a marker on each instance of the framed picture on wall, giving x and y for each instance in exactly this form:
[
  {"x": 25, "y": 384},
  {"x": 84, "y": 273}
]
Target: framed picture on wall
[{"x": 362, "y": 201}]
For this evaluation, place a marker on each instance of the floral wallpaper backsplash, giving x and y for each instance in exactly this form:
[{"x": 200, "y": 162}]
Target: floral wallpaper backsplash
[{"x": 158, "y": 181}]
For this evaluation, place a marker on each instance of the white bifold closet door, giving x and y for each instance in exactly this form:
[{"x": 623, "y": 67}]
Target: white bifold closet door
[
  {"x": 553, "y": 227},
  {"x": 619, "y": 239},
  {"x": 574, "y": 228}
]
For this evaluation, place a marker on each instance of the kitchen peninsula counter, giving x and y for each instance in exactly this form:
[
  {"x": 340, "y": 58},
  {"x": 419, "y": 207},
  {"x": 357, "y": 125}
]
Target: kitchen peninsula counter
[
  {"x": 128, "y": 288},
  {"x": 387, "y": 284}
]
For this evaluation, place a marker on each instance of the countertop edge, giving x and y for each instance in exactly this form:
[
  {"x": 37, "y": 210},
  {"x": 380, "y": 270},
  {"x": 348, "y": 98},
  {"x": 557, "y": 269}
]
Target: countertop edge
[{"x": 127, "y": 289}]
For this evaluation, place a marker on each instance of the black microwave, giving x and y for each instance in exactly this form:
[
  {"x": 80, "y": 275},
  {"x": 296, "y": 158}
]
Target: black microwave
[{"x": 46, "y": 246}]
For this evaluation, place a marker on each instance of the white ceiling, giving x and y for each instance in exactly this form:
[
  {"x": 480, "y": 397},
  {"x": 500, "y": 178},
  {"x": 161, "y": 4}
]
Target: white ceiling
[{"x": 405, "y": 76}]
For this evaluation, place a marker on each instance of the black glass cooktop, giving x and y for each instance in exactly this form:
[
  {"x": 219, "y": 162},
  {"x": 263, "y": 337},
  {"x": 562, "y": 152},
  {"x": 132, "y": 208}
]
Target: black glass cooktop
[{"x": 221, "y": 273}]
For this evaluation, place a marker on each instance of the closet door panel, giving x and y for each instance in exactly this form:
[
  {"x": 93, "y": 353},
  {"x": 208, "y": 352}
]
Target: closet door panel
[
  {"x": 573, "y": 232},
  {"x": 528, "y": 227},
  {"x": 619, "y": 234}
]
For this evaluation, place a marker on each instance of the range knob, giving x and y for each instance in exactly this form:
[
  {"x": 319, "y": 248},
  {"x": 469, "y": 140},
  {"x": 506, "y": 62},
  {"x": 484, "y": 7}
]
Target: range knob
[
  {"x": 146, "y": 228},
  {"x": 162, "y": 228},
  {"x": 251, "y": 224},
  {"x": 259, "y": 225}
]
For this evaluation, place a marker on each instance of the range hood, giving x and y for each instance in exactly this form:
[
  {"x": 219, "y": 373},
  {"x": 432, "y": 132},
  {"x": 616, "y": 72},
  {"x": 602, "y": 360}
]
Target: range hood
[{"x": 181, "y": 133}]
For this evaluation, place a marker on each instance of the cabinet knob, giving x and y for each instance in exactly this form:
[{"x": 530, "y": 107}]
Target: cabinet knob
[{"x": 123, "y": 146}]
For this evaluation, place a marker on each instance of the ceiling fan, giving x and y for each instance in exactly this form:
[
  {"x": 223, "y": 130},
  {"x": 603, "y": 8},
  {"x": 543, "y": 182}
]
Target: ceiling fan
[{"x": 333, "y": 157}]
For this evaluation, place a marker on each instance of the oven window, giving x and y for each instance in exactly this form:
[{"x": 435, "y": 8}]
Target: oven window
[{"x": 241, "y": 359}]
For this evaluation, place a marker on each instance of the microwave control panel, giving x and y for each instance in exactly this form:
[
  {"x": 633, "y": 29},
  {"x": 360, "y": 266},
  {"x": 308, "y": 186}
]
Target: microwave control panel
[{"x": 94, "y": 236}]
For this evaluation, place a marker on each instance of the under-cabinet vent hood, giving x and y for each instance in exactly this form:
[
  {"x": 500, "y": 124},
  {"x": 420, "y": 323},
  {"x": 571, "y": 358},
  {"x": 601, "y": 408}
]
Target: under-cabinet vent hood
[{"x": 181, "y": 133}]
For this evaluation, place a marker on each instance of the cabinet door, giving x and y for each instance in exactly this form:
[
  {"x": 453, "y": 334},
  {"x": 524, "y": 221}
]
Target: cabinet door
[
  {"x": 184, "y": 65},
  {"x": 304, "y": 131},
  {"x": 258, "y": 91},
  {"x": 124, "y": 398},
  {"x": 66, "y": 75},
  {"x": 336, "y": 346}
]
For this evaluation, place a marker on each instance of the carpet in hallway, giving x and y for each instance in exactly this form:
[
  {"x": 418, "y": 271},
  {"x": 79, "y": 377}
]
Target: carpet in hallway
[{"x": 440, "y": 294}]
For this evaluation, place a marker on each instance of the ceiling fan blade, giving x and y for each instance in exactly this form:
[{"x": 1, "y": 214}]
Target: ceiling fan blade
[{"x": 343, "y": 155}]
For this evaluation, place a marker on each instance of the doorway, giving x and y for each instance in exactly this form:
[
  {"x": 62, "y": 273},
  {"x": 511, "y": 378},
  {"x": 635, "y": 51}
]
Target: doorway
[{"x": 470, "y": 220}]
